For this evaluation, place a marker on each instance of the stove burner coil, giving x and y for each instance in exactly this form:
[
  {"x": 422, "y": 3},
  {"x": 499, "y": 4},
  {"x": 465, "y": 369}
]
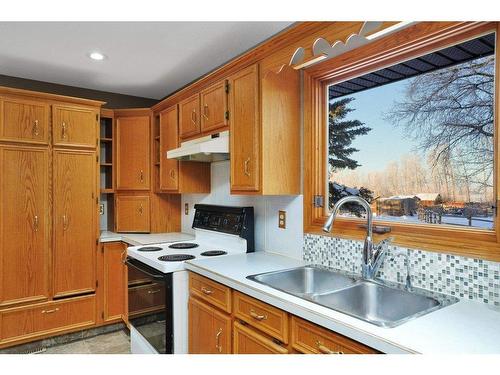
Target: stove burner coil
[
  {"x": 213, "y": 253},
  {"x": 183, "y": 245},
  {"x": 150, "y": 248},
  {"x": 176, "y": 257}
]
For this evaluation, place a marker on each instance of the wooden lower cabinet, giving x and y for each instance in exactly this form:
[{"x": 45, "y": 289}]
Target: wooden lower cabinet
[
  {"x": 209, "y": 329},
  {"x": 258, "y": 327},
  {"x": 249, "y": 341},
  {"x": 112, "y": 274},
  {"x": 21, "y": 324}
]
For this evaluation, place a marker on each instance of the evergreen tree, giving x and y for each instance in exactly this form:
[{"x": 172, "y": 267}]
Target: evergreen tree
[{"x": 341, "y": 134}]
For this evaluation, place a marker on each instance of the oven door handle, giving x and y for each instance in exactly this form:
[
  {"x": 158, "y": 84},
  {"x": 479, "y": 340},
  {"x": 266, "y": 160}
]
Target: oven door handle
[{"x": 157, "y": 277}]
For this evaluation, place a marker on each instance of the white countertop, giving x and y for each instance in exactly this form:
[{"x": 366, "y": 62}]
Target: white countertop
[
  {"x": 138, "y": 239},
  {"x": 464, "y": 327}
]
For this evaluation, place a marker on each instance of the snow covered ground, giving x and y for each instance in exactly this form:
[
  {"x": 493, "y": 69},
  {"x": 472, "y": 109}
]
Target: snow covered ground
[{"x": 477, "y": 222}]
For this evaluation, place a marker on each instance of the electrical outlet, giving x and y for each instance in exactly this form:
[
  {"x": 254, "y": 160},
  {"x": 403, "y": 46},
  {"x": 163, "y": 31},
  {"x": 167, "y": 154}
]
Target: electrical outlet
[
  {"x": 101, "y": 209},
  {"x": 186, "y": 208},
  {"x": 282, "y": 219}
]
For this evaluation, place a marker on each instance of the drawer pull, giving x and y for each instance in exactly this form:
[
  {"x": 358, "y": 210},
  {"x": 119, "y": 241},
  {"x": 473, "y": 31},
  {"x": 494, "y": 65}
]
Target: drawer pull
[
  {"x": 323, "y": 349},
  {"x": 154, "y": 291},
  {"x": 35, "y": 223},
  {"x": 193, "y": 117},
  {"x": 50, "y": 311},
  {"x": 141, "y": 176},
  {"x": 217, "y": 340},
  {"x": 245, "y": 167},
  {"x": 256, "y": 316},
  {"x": 205, "y": 111},
  {"x": 206, "y": 291},
  {"x": 172, "y": 174},
  {"x": 63, "y": 130}
]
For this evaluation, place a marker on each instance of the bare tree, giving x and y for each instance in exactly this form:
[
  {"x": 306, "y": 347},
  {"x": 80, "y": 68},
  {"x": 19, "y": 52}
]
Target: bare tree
[{"x": 449, "y": 112}]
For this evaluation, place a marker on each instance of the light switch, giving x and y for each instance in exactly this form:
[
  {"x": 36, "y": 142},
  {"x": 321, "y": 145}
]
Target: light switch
[{"x": 282, "y": 219}]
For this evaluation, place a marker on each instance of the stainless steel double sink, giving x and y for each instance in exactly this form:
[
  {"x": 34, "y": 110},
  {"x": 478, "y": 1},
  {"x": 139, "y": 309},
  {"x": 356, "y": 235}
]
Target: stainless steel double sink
[{"x": 379, "y": 303}]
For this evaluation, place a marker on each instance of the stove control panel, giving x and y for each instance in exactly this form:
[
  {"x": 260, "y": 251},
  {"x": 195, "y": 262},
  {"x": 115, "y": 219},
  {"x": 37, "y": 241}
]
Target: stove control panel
[{"x": 225, "y": 219}]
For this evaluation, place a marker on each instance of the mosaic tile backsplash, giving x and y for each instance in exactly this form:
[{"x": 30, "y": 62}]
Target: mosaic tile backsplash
[{"x": 462, "y": 277}]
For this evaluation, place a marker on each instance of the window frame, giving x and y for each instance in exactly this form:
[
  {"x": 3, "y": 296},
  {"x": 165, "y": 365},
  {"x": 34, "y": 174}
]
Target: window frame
[{"x": 416, "y": 40}]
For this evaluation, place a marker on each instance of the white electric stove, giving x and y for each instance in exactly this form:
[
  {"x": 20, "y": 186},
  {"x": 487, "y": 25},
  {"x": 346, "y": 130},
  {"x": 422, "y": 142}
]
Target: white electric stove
[{"x": 158, "y": 282}]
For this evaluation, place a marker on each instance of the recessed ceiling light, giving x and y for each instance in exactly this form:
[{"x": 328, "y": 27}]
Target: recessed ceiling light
[{"x": 96, "y": 56}]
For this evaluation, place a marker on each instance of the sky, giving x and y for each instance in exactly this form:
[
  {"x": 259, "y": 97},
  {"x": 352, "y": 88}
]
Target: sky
[{"x": 384, "y": 143}]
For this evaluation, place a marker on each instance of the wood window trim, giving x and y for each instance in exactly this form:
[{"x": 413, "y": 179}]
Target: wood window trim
[{"x": 416, "y": 40}]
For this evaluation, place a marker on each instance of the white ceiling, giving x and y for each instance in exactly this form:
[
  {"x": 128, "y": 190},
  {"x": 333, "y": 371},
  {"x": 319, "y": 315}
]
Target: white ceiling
[{"x": 149, "y": 59}]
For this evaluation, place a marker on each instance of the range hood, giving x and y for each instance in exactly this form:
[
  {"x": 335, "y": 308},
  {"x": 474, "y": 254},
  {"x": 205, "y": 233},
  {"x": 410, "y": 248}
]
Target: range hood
[{"x": 211, "y": 148}]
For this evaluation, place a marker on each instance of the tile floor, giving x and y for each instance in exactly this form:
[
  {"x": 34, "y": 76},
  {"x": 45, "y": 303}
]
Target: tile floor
[{"x": 110, "y": 343}]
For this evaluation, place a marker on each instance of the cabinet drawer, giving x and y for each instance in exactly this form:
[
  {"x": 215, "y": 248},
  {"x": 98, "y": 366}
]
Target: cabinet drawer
[
  {"x": 248, "y": 341},
  {"x": 210, "y": 291},
  {"x": 311, "y": 339},
  {"x": 24, "y": 120},
  {"x": 265, "y": 317},
  {"x": 52, "y": 317}
]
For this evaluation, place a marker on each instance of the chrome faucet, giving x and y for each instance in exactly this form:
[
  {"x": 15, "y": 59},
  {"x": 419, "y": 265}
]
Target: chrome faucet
[
  {"x": 373, "y": 255},
  {"x": 406, "y": 255}
]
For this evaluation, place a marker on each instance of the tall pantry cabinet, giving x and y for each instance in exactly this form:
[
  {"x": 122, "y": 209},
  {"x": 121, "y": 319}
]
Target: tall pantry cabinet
[{"x": 48, "y": 214}]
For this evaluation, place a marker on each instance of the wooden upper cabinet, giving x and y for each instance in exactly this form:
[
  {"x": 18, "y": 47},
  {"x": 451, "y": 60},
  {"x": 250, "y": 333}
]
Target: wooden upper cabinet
[
  {"x": 189, "y": 116},
  {"x": 24, "y": 225},
  {"x": 23, "y": 120},
  {"x": 133, "y": 213},
  {"x": 213, "y": 110},
  {"x": 209, "y": 329},
  {"x": 169, "y": 140},
  {"x": 75, "y": 222},
  {"x": 244, "y": 124},
  {"x": 74, "y": 126},
  {"x": 133, "y": 153}
]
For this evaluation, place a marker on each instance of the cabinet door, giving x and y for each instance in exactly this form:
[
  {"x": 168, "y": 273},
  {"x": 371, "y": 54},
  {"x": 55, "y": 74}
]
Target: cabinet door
[
  {"x": 24, "y": 120},
  {"x": 114, "y": 280},
  {"x": 75, "y": 218},
  {"x": 189, "y": 116},
  {"x": 244, "y": 124},
  {"x": 209, "y": 329},
  {"x": 74, "y": 126},
  {"x": 213, "y": 107},
  {"x": 249, "y": 341},
  {"x": 132, "y": 151},
  {"x": 24, "y": 219},
  {"x": 169, "y": 139},
  {"x": 132, "y": 213}
]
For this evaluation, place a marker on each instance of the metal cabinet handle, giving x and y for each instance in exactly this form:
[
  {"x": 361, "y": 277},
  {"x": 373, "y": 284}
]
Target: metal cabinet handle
[
  {"x": 65, "y": 222},
  {"x": 35, "y": 223},
  {"x": 325, "y": 350},
  {"x": 63, "y": 130},
  {"x": 206, "y": 291},
  {"x": 50, "y": 311},
  {"x": 172, "y": 174},
  {"x": 36, "y": 130},
  {"x": 205, "y": 111},
  {"x": 217, "y": 340},
  {"x": 193, "y": 117},
  {"x": 141, "y": 176},
  {"x": 154, "y": 291},
  {"x": 256, "y": 316},
  {"x": 245, "y": 167},
  {"x": 141, "y": 209}
]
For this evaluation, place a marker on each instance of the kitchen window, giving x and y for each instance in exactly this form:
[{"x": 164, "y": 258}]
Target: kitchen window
[{"x": 412, "y": 129}]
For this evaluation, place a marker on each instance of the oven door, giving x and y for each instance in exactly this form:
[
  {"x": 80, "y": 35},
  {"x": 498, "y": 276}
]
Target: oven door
[{"x": 150, "y": 305}]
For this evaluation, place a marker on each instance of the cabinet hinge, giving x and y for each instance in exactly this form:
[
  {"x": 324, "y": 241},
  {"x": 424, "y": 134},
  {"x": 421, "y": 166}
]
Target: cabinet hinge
[
  {"x": 227, "y": 87},
  {"x": 226, "y": 115},
  {"x": 318, "y": 201}
]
